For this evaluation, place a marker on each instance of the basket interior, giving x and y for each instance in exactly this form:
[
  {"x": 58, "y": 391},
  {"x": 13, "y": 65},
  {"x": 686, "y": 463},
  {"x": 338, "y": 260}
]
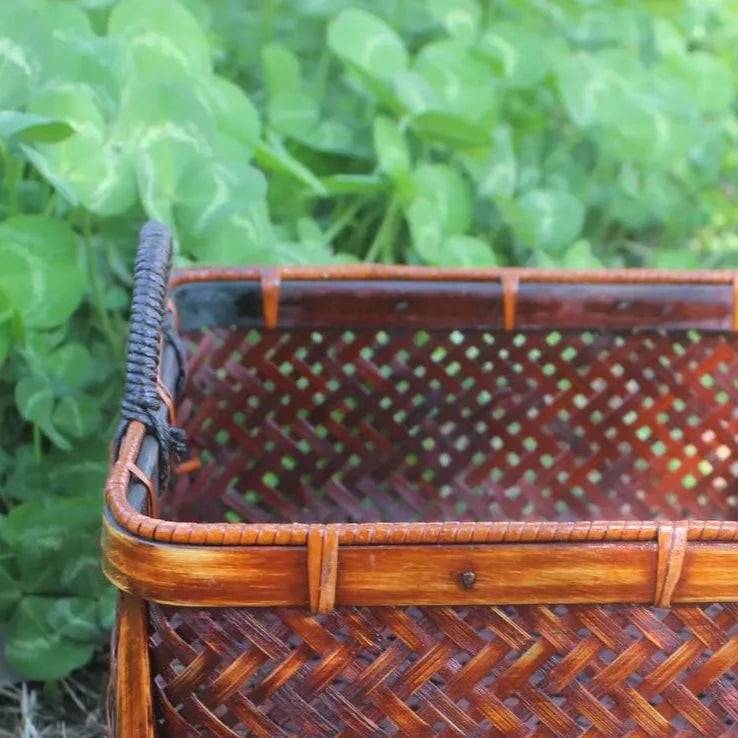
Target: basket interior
[{"x": 407, "y": 424}]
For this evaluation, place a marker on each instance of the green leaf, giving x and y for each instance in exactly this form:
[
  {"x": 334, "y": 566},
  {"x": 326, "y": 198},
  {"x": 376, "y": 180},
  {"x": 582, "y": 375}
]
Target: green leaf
[
  {"x": 449, "y": 129},
  {"x": 579, "y": 256},
  {"x": 81, "y": 472},
  {"x": 74, "y": 54},
  {"x": 464, "y": 84},
  {"x": 70, "y": 364},
  {"x": 494, "y": 168},
  {"x": 460, "y": 18},
  {"x": 106, "y": 608},
  {"x": 426, "y": 230},
  {"x": 80, "y": 571},
  {"x": 10, "y": 591},
  {"x": 281, "y": 70},
  {"x": 164, "y": 40},
  {"x": 246, "y": 238},
  {"x": 23, "y": 33},
  {"x": 30, "y": 128},
  {"x": 84, "y": 167},
  {"x": 35, "y": 399},
  {"x": 520, "y": 57},
  {"x": 675, "y": 259},
  {"x": 41, "y": 528},
  {"x": 233, "y": 113},
  {"x": 5, "y": 341},
  {"x": 414, "y": 92},
  {"x": 293, "y": 114},
  {"x": 35, "y": 649},
  {"x": 274, "y": 155},
  {"x": 77, "y": 415},
  {"x": 47, "y": 534},
  {"x": 707, "y": 81},
  {"x": 467, "y": 251},
  {"x": 391, "y": 148},
  {"x": 75, "y": 618},
  {"x": 208, "y": 194},
  {"x": 448, "y": 193},
  {"x": 545, "y": 219},
  {"x": 41, "y": 275},
  {"x": 169, "y": 132},
  {"x": 587, "y": 83},
  {"x": 288, "y": 252},
  {"x": 368, "y": 43}
]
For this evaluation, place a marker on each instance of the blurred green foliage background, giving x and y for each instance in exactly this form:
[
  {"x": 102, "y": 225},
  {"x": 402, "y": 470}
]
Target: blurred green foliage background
[{"x": 448, "y": 132}]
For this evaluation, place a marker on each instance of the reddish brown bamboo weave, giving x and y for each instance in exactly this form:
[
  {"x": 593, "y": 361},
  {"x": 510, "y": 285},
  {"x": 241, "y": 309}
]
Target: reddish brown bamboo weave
[
  {"x": 478, "y": 671},
  {"x": 362, "y": 425}
]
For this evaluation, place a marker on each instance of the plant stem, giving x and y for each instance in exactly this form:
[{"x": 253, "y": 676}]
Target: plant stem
[
  {"x": 12, "y": 171},
  {"x": 344, "y": 219},
  {"x": 97, "y": 293},
  {"x": 37, "y": 442},
  {"x": 51, "y": 204},
  {"x": 384, "y": 241}
]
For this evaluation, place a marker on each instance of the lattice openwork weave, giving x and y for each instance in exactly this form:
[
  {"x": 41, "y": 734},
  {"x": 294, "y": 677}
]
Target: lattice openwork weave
[
  {"x": 363, "y": 425},
  {"x": 539, "y": 671}
]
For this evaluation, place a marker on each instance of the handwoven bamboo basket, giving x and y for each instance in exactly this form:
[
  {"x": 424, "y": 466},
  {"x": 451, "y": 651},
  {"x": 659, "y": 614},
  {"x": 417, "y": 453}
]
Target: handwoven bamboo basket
[{"x": 423, "y": 502}]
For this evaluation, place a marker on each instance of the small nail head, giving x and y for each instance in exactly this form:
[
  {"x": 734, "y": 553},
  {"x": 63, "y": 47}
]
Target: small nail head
[{"x": 467, "y": 579}]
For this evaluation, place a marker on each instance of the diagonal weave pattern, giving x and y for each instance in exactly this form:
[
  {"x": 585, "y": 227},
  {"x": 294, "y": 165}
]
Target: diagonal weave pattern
[
  {"x": 335, "y": 425},
  {"x": 447, "y": 672}
]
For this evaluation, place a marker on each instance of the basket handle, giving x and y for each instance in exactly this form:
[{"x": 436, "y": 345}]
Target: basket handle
[{"x": 151, "y": 324}]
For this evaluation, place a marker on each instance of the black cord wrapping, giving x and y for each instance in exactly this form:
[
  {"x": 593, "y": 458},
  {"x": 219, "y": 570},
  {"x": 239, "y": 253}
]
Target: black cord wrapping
[{"x": 141, "y": 400}]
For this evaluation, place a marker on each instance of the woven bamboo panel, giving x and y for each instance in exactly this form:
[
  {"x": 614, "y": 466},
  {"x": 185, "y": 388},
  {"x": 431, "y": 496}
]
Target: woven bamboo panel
[
  {"x": 478, "y": 671},
  {"x": 363, "y": 425}
]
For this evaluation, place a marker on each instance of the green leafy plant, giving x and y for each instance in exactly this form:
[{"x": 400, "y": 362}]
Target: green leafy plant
[{"x": 450, "y": 132}]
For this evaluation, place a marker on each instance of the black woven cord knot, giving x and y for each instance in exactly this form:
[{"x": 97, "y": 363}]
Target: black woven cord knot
[{"x": 141, "y": 399}]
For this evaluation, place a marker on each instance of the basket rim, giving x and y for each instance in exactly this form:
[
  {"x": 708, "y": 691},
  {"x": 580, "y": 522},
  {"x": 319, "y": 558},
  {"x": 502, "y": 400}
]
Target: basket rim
[
  {"x": 402, "y": 272},
  {"x": 296, "y": 534}
]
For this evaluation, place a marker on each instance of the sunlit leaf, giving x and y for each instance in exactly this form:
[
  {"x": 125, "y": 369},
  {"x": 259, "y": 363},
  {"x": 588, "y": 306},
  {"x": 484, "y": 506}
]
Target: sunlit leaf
[
  {"x": 460, "y": 18},
  {"x": 463, "y": 82},
  {"x": 391, "y": 148},
  {"x": 42, "y": 274},
  {"x": 449, "y": 194},
  {"x": 546, "y": 219},
  {"x": 163, "y": 40},
  {"x": 31, "y": 128},
  {"x": 367, "y": 42}
]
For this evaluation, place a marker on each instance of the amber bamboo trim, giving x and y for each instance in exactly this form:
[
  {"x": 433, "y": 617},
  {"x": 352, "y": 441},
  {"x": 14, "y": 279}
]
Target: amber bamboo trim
[
  {"x": 672, "y": 548},
  {"x": 322, "y": 563},
  {"x": 133, "y": 698},
  {"x": 276, "y": 576},
  {"x": 524, "y": 275},
  {"x": 189, "y": 466},
  {"x": 166, "y": 398},
  {"x": 510, "y": 285},
  {"x": 271, "y": 280},
  {"x": 150, "y": 494}
]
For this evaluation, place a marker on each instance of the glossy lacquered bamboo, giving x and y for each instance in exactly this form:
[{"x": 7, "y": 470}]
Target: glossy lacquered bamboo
[
  {"x": 133, "y": 698},
  {"x": 272, "y": 576},
  {"x": 498, "y": 302}
]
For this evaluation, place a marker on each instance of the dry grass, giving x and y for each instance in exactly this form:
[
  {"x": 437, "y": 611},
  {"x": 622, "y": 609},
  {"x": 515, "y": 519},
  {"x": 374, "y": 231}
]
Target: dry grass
[{"x": 73, "y": 709}]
